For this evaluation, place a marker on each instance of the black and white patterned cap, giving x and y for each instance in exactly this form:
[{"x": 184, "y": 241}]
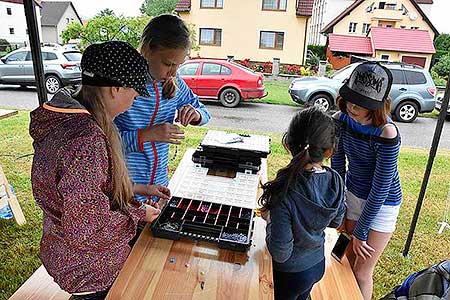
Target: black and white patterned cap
[
  {"x": 115, "y": 63},
  {"x": 369, "y": 85}
]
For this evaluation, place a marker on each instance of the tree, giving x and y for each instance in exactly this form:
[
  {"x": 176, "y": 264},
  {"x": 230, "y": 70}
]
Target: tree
[
  {"x": 442, "y": 45},
  {"x": 107, "y": 28},
  {"x": 154, "y": 8},
  {"x": 105, "y": 12},
  {"x": 442, "y": 68},
  {"x": 72, "y": 31}
]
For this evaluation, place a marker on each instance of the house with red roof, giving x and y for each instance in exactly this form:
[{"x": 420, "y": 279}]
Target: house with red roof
[
  {"x": 392, "y": 30},
  {"x": 259, "y": 30}
]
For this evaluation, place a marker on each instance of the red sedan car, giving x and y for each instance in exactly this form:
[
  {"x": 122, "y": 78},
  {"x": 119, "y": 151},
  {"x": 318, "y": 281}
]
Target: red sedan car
[{"x": 226, "y": 81}]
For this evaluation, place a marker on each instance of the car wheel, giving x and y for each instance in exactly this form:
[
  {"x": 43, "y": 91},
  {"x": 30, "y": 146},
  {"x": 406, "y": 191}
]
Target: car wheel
[
  {"x": 321, "y": 101},
  {"x": 406, "y": 112},
  {"x": 52, "y": 84},
  {"x": 229, "y": 97}
]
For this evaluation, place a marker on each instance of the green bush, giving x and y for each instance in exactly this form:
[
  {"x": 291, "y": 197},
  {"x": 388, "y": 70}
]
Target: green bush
[
  {"x": 318, "y": 50},
  {"x": 4, "y": 45},
  {"x": 438, "y": 80},
  {"x": 442, "y": 68}
]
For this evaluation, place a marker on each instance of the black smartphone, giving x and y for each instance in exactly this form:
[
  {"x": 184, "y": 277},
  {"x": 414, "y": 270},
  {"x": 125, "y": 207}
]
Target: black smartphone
[{"x": 340, "y": 246}]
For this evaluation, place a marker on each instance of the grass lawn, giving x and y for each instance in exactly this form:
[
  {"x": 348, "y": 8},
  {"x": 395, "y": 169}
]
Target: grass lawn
[
  {"x": 278, "y": 93},
  {"x": 19, "y": 253}
]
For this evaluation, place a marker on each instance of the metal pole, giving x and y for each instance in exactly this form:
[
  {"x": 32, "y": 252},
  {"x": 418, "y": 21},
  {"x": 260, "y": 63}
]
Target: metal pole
[
  {"x": 35, "y": 44},
  {"x": 433, "y": 150}
]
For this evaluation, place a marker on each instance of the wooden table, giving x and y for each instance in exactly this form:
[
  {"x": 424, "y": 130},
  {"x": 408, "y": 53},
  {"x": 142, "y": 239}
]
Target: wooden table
[{"x": 149, "y": 273}]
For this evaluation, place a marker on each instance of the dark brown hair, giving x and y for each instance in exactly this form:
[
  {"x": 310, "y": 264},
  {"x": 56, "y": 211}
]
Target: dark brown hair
[
  {"x": 310, "y": 135},
  {"x": 165, "y": 31},
  {"x": 379, "y": 117}
]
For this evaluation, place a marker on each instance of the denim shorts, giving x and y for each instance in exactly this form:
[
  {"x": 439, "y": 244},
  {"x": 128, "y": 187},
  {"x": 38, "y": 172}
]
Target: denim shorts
[{"x": 385, "y": 221}]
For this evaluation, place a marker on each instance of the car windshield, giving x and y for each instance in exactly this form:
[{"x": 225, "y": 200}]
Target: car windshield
[
  {"x": 344, "y": 73},
  {"x": 73, "y": 56}
]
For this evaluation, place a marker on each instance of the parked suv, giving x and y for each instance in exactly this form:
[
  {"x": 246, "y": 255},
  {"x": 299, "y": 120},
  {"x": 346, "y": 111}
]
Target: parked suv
[
  {"x": 61, "y": 68},
  {"x": 413, "y": 90}
]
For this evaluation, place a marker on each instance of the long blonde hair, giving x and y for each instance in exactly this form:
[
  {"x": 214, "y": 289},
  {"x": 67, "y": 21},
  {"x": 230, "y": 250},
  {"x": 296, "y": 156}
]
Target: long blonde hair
[
  {"x": 92, "y": 98},
  {"x": 165, "y": 32}
]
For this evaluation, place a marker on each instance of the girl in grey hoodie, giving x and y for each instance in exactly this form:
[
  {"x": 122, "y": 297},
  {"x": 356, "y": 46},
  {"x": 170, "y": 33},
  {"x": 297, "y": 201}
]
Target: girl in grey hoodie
[{"x": 303, "y": 199}]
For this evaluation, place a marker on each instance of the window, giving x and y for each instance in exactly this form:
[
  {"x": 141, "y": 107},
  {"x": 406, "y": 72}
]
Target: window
[
  {"x": 370, "y": 7},
  {"x": 225, "y": 71},
  {"x": 404, "y": 10},
  {"x": 211, "y": 4},
  {"x": 274, "y": 5},
  {"x": 415, "y": 77},
  {"x": 210, "y": 36},
  {"x": 352, "y": 27},
  {"x": 67, "y": 20},
  {"x": 390, "y": 6},
  {"x": 388, "y": 26},
  {"x": 384, "y": 57},
  {"x": 189, "y": 69},
  {"x": 72, "y": 56},
  {"x": 211, "y": 69},
  {"x": 11, "y": 30},
  {"x": 366, "y": 27},
  {"x": 8, "y": 11},
  {"x": 49, "y": 56},
  {"x": 381, "y": 5},
  {"x": 18, "y": 56},
  {"x": 403, "y": 27},
  {"x": 414, "y": 27},
  {"x": 271, "y": 40},
  {"x": 397, "y": 77}
]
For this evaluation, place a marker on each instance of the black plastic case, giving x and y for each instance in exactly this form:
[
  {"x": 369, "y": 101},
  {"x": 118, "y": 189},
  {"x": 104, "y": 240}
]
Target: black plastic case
[{"x": 230, "y": 227}]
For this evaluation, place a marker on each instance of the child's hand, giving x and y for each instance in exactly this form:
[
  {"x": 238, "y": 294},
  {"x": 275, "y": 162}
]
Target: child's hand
[
  {"x": 187, "y": 115},
  {"x": 159, "y": 191},
  {"x": 151, "y": 213},
  {"x": 362, "y": 249},
  {"x": 165, "y": 133}
]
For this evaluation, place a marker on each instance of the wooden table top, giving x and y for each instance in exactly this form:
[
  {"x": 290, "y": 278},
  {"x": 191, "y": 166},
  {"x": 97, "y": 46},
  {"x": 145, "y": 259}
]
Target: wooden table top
[{"x": 165, "y": 269}]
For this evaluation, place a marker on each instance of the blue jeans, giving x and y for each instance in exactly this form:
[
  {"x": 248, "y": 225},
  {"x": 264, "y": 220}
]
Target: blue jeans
[
  {"x": 297, "y": 286},
  {"x": 94, "y": 296}
]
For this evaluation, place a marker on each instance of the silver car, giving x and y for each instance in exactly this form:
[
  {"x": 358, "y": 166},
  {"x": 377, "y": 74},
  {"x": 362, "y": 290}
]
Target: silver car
[
  {"x": 413, "y": 90},
  {"x": 61, "y": 68}
]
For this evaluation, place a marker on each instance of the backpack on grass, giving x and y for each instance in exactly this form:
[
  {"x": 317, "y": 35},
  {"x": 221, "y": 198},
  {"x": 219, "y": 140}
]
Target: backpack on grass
[{"x": 432, "y": 283}]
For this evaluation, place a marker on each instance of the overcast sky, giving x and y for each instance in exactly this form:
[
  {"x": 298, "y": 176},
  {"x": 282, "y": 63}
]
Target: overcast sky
[{"x": 88, "y": 8}]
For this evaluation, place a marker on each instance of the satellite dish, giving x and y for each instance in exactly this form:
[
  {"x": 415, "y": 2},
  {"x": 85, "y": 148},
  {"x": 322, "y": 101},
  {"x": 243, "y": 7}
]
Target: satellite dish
[{"x": 413, "y": 16}]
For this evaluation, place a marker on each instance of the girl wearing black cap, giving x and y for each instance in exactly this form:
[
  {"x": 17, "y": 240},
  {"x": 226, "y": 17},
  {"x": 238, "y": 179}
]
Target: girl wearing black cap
[
  {"x": 79, "y": 177},
  {"x": 147, "y": 128},
  {"x": 370, "y": 144}
]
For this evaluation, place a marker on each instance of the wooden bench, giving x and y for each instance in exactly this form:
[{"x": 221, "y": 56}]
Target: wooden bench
[{"x": 40, "y": 286}]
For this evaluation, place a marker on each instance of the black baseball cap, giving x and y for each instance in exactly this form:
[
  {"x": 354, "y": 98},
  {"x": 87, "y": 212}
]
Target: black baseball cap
[
  {"x": 115, "y": 63},
  {"x": 369, "y": 85}
]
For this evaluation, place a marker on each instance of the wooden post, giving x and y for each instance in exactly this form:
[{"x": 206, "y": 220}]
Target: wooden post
[{"x": 12, "y": 200}]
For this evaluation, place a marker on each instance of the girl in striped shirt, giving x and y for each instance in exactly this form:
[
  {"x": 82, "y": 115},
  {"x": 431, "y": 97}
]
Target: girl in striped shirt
[
  {"x": 370, "y": 144},
  {"x": 147, "y": 128}
]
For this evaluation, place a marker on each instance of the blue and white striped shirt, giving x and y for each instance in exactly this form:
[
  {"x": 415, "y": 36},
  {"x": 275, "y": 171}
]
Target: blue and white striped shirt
[
  {"x": 148, "y": 162},
  {"x": 372, "y": 170}
]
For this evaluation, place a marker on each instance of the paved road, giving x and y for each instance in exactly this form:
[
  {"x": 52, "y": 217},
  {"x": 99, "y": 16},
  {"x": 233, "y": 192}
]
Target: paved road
[{"x": 252, "y": 117}]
